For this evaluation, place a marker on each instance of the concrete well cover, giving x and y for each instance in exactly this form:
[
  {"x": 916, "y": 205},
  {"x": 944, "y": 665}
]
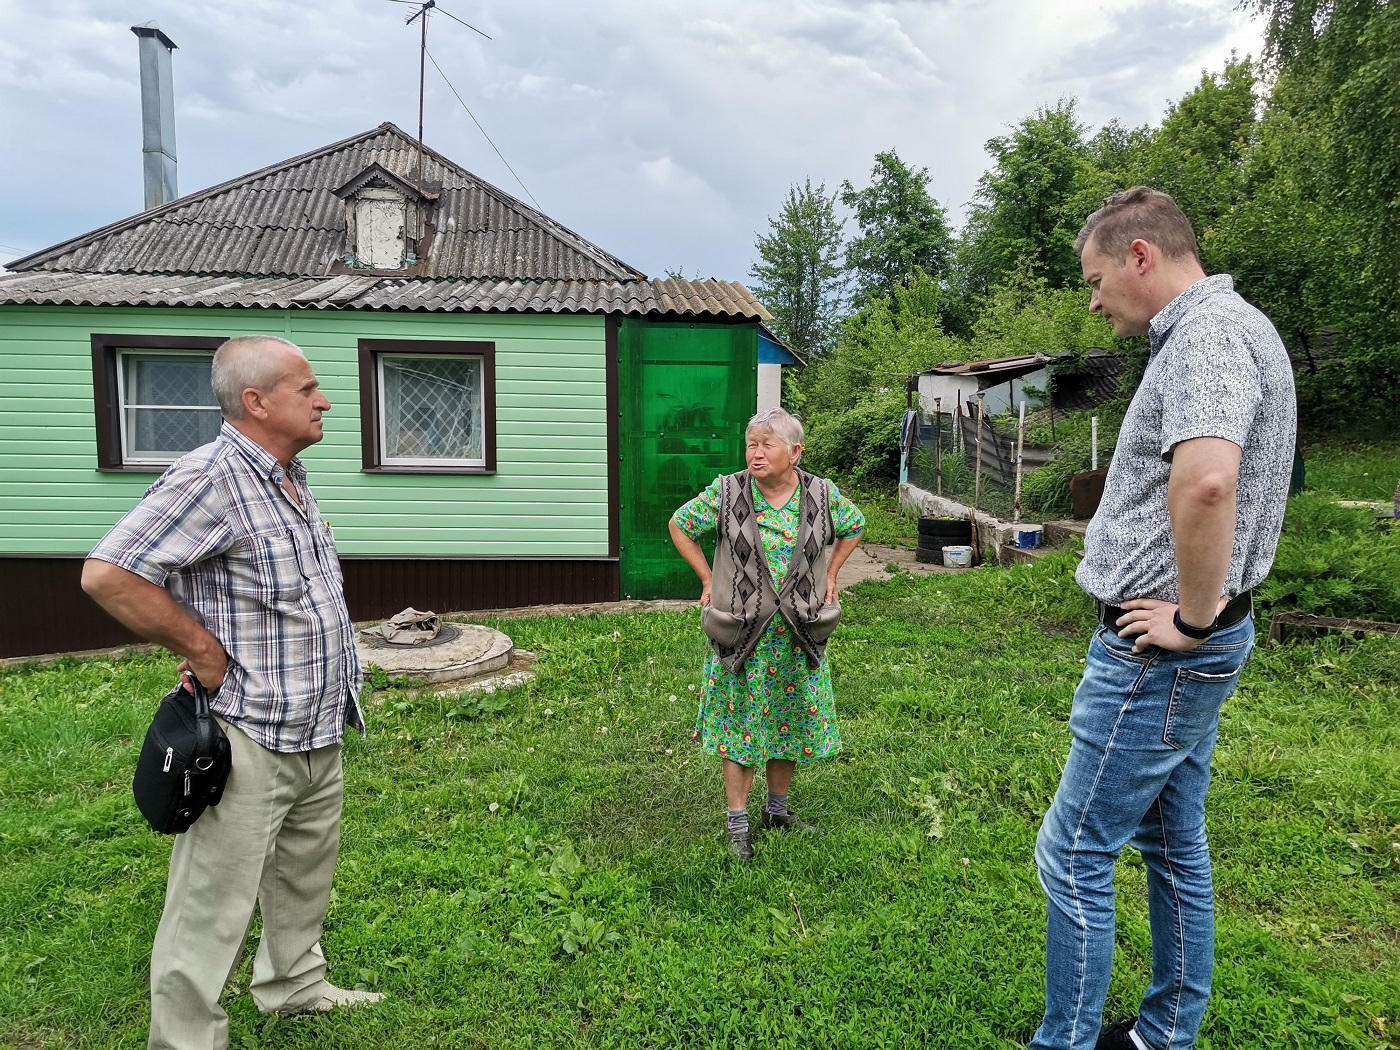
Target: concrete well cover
[{"x": 461, "y": 650}]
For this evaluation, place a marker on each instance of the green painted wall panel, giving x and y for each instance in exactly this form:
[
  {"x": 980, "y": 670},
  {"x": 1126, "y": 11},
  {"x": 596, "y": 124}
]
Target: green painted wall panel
[
  {"x": 685, "y": 393},
  {"x": 76, "y": 496},
  {"x": 548, "y": 498}
]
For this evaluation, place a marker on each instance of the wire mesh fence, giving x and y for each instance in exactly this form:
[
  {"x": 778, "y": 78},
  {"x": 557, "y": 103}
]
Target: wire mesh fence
[{"x": 944, "y": 452}]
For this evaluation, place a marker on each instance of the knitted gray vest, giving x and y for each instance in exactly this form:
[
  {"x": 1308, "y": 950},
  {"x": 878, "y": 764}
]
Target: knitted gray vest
[{"x": 743, "y": 599}]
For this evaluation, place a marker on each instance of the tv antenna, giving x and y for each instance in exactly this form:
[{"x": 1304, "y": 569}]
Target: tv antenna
[{"x": 421, "y": 16}]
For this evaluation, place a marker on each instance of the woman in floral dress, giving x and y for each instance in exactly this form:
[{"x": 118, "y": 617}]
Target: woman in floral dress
[{"x": 767, "y": 696}]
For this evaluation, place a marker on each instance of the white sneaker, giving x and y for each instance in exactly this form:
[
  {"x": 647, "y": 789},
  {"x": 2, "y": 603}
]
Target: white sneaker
[{"x": 333, "y": 999}]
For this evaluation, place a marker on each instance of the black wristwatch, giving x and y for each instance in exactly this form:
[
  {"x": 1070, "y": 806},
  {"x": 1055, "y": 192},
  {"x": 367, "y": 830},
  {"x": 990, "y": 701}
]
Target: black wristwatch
[{"x": 1194, "y": 632}]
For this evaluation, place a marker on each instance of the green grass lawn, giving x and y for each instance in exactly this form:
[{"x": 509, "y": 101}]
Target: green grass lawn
[
  {"x": 551, "y": 873},
  {"x": 886, "y": 522},
  {"x": 1354, "y": 469}
]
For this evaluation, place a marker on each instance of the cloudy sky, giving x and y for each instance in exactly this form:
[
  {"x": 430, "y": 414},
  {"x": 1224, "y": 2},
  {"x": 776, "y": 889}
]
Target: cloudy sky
[{"x": 666, "y": 132}]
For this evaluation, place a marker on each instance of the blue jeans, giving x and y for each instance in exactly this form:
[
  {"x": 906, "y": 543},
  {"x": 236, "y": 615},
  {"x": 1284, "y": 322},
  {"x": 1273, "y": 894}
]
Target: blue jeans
[{"x": 1144, "y": 727}]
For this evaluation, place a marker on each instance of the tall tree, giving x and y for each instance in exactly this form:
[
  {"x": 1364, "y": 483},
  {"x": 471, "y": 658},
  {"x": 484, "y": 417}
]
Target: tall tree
[
  {"x": 853, "y": 398},
  {"x": 798, "y": 276},
  {"x": 1116, "y": 151},
  {"x": 903, "y": 229},
  {"x": 1330, "y": 141},
  {"x": 1031, "y": 203},
  {"x": 1198, "y": 153}
]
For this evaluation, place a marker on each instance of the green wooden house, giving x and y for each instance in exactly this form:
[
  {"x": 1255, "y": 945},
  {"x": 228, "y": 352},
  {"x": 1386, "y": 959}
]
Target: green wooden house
[{"x": 515, "y": 414}]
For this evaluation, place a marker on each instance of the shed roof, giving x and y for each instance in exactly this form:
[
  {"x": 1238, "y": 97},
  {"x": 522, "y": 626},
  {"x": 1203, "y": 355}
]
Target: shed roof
[{"x": 1003, "y": 366}]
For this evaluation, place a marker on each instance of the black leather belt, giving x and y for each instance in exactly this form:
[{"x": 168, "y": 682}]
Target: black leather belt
[{"x": 1238, "y": 607}]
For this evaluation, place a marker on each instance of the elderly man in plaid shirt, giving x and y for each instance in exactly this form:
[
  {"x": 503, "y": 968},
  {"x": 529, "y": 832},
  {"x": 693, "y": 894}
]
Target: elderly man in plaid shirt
[{"x": 226, "y": 562}]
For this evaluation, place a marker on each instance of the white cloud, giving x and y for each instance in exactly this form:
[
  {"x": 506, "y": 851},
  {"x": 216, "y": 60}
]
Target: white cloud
[{"x": 666, "y": 133}]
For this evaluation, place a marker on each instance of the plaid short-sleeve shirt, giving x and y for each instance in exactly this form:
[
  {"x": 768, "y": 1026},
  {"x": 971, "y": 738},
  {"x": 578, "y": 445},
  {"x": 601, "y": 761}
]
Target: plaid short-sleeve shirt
[{"x": 218, "y": 532}]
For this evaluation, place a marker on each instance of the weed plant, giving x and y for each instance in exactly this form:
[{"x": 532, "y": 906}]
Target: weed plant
[
  {"x": 1045, "y": 491},
  {"x": 1334, "y": 561},
  {"x": 547, "y": 870},
  {"x": 886, "y": 522}
]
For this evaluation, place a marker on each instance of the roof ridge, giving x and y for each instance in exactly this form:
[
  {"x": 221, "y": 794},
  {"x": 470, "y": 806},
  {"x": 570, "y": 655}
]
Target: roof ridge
[
  {"x": 549, "y": 227},
  {"x": 34, "y": 258},
  {"x": 527, "y": 210}
]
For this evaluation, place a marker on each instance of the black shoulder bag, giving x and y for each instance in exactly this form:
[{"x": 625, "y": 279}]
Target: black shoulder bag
[{"x": 184, "y": 761}]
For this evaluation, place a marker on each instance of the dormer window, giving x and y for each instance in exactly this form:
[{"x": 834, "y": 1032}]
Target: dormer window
[
  {"x": 386, "y": 220},
  {"x": 381, "y": 216}
]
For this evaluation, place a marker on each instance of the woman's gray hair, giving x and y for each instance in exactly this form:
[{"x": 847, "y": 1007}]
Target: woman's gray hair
[
  {"x": 779, "y": 422},
  {"x": 242, "y": 362}
]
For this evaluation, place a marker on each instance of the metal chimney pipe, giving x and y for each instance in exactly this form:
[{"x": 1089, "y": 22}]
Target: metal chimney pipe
[{"x": 157, "y": 115}]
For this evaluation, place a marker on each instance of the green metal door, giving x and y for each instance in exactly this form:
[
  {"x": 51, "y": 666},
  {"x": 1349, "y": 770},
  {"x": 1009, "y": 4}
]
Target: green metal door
[{"x": 685, "y": 392}]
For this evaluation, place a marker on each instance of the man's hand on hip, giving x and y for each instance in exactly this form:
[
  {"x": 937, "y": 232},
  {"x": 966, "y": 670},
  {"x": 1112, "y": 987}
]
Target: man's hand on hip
[
  {"x": 148, "y": 610},
  {"x": 209, "y": 669},
  {"x": 1150, "y": 622}
]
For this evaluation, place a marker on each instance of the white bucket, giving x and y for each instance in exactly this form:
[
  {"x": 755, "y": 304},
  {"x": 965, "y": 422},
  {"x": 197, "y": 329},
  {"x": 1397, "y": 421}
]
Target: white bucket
[{"x": 957, "y": 557}]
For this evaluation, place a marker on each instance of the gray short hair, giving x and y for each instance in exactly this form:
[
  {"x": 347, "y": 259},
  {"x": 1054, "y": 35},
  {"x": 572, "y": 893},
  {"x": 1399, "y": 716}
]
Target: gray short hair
[
  {"x": 779, "y": 422},
  {"x": 240, "y": 363}
]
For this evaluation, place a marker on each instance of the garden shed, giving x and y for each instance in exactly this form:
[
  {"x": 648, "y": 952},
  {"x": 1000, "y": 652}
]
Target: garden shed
[
  {"x": 516, "y": 410},
  {"x": 1000, "y": 381}
]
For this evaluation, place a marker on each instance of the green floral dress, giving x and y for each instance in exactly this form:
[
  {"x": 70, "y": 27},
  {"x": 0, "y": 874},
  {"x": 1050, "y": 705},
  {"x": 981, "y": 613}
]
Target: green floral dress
[{"x": 779, "y": 708}]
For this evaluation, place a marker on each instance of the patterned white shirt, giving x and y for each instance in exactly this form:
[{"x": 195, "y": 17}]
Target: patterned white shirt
[
  {"x": 1217, "y": 369},
  {"x": 218, "y": 532}
]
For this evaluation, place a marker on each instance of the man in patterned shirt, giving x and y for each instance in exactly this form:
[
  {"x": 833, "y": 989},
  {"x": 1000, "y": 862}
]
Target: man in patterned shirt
[
  {"x": 1188, "y": 524},
  {"x": 226, "y": 562}
]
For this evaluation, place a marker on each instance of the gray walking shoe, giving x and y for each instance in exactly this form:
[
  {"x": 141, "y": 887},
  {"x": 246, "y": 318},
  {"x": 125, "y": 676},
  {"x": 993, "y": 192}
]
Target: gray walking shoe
[
  {"x": 788, "y": 821},
  {"x": 334, "y": 998},
  {"x": 740, "y": 848}
]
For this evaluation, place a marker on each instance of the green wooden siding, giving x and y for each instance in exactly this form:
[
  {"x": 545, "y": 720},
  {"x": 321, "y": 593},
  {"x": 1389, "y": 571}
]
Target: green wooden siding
[{"x": 549, "y": 497}]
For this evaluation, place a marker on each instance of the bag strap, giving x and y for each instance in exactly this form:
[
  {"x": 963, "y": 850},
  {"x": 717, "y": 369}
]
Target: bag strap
[{"x": 203, "y": 726}]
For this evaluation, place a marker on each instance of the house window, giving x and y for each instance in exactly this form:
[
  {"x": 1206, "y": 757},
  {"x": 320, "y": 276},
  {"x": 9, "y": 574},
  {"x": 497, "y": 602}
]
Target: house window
[
  {"x": 428, "y": 407},
  {"x": 152, "y": 399},
  {"x": 167, "y": 404}
]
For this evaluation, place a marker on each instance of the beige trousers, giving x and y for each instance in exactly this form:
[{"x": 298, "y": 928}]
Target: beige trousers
[{"x": 271, "y": 842}]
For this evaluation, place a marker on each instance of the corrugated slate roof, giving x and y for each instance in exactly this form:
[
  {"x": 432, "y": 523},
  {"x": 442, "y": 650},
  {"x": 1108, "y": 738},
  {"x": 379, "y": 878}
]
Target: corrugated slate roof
[
  {"x": 285, "y": 221},
  {"x": 277, "y": 238},
  {"x": 1090, "y": 381},
  {"x": 352, "y": 291}
]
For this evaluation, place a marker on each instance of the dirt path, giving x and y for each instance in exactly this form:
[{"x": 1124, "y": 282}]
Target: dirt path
[{"x": 871, "y": 561}]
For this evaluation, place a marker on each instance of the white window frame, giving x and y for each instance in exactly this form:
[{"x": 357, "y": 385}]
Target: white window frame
[
  {"x": 128, "y": 456},
  {"x": 428, "y": 461}
]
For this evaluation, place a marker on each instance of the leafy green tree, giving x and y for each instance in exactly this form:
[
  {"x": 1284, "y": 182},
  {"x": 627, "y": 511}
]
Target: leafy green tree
[
  {"x": 1197, "y": 154},
  {"x": 1329, "y": 166},
  {"x": 1285, "y": 243},
  {"x": 1117, "y": 152},
  {"x": 1024, "y": 315},
  {"x": 798, "y": 276},
  {"x": 1032, "y": 202},
  {"x": 903, "y": 229},
  {"x": 852, "y": 398}
]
